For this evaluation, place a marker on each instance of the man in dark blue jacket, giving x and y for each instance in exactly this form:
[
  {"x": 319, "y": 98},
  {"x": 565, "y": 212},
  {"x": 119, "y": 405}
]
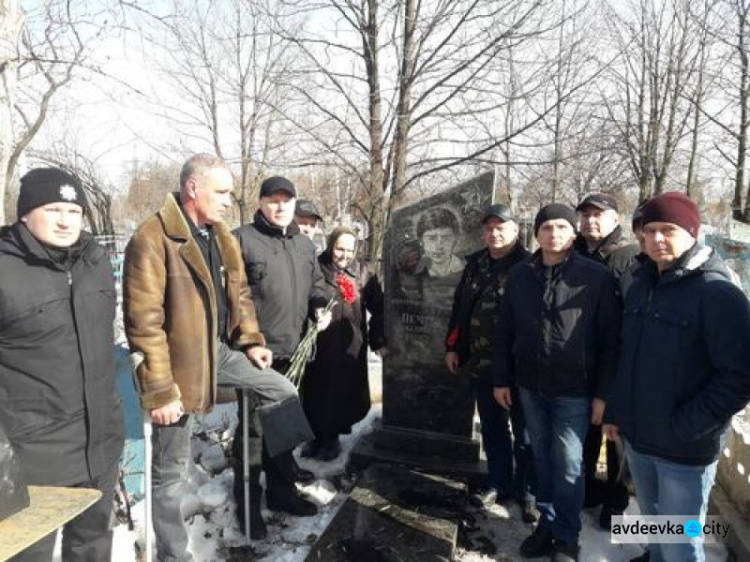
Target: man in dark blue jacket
[
  {"x": 557, "y": 336},
  {"x": 684, "y": 368}
]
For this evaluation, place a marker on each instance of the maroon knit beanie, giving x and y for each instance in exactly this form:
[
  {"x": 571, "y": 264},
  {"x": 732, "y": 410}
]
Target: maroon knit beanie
[{"x": 674, "y": 207}]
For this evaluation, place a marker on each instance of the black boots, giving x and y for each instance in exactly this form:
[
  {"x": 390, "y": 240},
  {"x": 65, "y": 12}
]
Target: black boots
[
  {"x": 290, "y": 501},
  {"x": 330, "y": 449},
  {"x": 565, "y": 552},
  {"x": 538, "y": 544},
  {"x": 323, "y": 449},
  {"x": 281, "y": 492}
]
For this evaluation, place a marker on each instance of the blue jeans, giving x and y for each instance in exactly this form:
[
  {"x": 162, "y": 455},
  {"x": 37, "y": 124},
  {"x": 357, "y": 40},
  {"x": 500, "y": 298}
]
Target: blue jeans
[
  {"x": 557, "y": 427},
  {"x": 665, "y": 487},
  {"x": 504, "y": 450}
]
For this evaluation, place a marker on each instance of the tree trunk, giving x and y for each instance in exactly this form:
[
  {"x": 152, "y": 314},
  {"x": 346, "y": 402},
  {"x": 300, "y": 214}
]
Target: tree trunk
[
  {"x": 11, "y": 21},
  {"x": 376, "y": 178}
]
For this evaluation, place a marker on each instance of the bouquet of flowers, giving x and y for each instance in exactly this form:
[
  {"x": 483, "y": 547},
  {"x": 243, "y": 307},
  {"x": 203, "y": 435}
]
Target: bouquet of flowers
[{"x": 304, "y": 351}]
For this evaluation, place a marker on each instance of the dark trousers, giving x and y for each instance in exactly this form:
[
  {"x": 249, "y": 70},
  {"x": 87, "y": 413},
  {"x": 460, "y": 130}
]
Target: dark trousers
[
  {"x": 88, "y": 537},
  {"x": 279, "y": 469},
  {"x": 510, "y": 465},
  {"x": 611, "y": 493}
]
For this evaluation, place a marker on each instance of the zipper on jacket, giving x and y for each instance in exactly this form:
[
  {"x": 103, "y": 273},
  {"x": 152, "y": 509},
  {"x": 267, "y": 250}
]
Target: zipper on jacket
[
  {"x": 293, "y": 278},
  {"x": 85, "y": 381}
]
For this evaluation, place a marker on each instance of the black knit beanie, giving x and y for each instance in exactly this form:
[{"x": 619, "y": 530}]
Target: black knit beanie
[
  {"x": 555, "y": 211},
  {"x": 48, "y": 185}
]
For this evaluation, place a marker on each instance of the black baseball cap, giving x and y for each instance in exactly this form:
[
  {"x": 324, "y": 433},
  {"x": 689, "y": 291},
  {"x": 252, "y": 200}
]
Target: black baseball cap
[
  {"x": 306, "y": 208},
  {"x": 499, "y": 211},
  {"x": 275, "y": 184},
  {"x": 600, "y": 201}
]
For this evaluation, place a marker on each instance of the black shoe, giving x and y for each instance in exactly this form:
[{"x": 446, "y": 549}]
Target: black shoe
[
  {"x": 645, "y": 557},
  {"x": 329, "y": 450},
  {"x": 565, "y": 552},
  {"x": 483, "y": 498},
  {"x": 258, "y": 530},
  {"x": 538, "y": 544},
  {"x": 290, "y": 502},
  {"x": 529, "y": 511},
  {"x": 605, "y": 517},
  {"x": 310, "y": 449},
  {"x": 302, "y": 475}
]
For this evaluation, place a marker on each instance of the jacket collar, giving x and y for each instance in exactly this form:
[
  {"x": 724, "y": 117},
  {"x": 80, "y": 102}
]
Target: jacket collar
[
  {"x": 608, "y": 245},
  {"x": 261, "y": 223},
  {"x": 23, "y": 244},
  {"x": 535, "y": 261},
  {"x": 176, "y": 227},
  {"x": 697, "y": 259}
]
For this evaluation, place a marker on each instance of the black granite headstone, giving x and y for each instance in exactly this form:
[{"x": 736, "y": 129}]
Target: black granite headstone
[{"x": 426, "y": 409}]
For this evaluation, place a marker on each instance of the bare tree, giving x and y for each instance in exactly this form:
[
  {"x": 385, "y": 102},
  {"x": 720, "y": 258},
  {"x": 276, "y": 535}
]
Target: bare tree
[
  {"x": 729, "y": 26},
  {"x": 56, "y": 40},
  {"x": 222, "y": 64},
  {"x": 650, "y": 98},
  {"x": 387, "y": 132},
  {"x": 10, "y": 28}
]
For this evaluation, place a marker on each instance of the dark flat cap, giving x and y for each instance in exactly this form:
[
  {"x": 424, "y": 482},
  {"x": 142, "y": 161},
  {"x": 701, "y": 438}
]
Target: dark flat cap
[
  {"x": 499, "y": 211},
  {"x": 600, "y": 201},
  {"x": 306, "y": 208}
]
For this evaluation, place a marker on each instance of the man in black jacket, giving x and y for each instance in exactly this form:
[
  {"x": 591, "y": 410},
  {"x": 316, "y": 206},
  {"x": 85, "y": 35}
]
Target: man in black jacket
[
  {"x": 601, "y": 240},
  {"x": 469, "y": 351},
  {"x": 556, "y": 338},
  {"x": 58, "y": 398},
  {"x": 684, "y": 369},
  {"x": 288, "y": 291}
]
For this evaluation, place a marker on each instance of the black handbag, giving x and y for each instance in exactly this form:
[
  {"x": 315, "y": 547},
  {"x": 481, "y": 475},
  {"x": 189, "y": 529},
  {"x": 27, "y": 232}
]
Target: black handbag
[{"x": 14, "y": 494}]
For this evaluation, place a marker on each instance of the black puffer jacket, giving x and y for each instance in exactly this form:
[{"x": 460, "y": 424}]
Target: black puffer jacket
[
  {"x": 58, "y": 397},
  {"x": 558, "y": 337},
  {"x": 285, "y": 280},
  {"x": 685, "y": 359}
]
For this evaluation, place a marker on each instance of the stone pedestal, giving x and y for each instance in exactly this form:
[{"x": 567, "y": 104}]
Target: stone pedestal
[{"x": 394, "y": 514}]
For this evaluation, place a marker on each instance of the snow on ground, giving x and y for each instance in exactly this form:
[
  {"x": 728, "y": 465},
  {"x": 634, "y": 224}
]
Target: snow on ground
[{"x": 494, "y": 534}]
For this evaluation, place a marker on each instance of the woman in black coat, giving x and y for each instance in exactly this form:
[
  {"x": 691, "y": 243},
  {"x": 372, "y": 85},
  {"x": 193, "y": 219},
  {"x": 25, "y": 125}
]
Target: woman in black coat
[{"x": 335, "y": 390}]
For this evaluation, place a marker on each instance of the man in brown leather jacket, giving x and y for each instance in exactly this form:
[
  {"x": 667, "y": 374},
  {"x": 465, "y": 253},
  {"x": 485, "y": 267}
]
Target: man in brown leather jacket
[{"x": 191, "y": 326}]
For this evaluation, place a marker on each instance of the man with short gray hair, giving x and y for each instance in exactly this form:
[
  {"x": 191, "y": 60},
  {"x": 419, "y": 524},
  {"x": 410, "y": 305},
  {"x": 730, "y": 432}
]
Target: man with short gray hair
[{"x": 191, "y": 326}]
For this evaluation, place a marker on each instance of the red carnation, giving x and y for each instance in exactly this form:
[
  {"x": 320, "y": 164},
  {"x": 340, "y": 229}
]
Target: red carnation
[
  {"x": 452, "y": 337},
  {"x": 347, "y": 288}
]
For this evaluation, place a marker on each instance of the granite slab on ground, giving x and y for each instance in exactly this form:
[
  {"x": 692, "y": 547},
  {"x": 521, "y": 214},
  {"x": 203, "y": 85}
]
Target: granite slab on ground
[{"x": 395, "y": 513}]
